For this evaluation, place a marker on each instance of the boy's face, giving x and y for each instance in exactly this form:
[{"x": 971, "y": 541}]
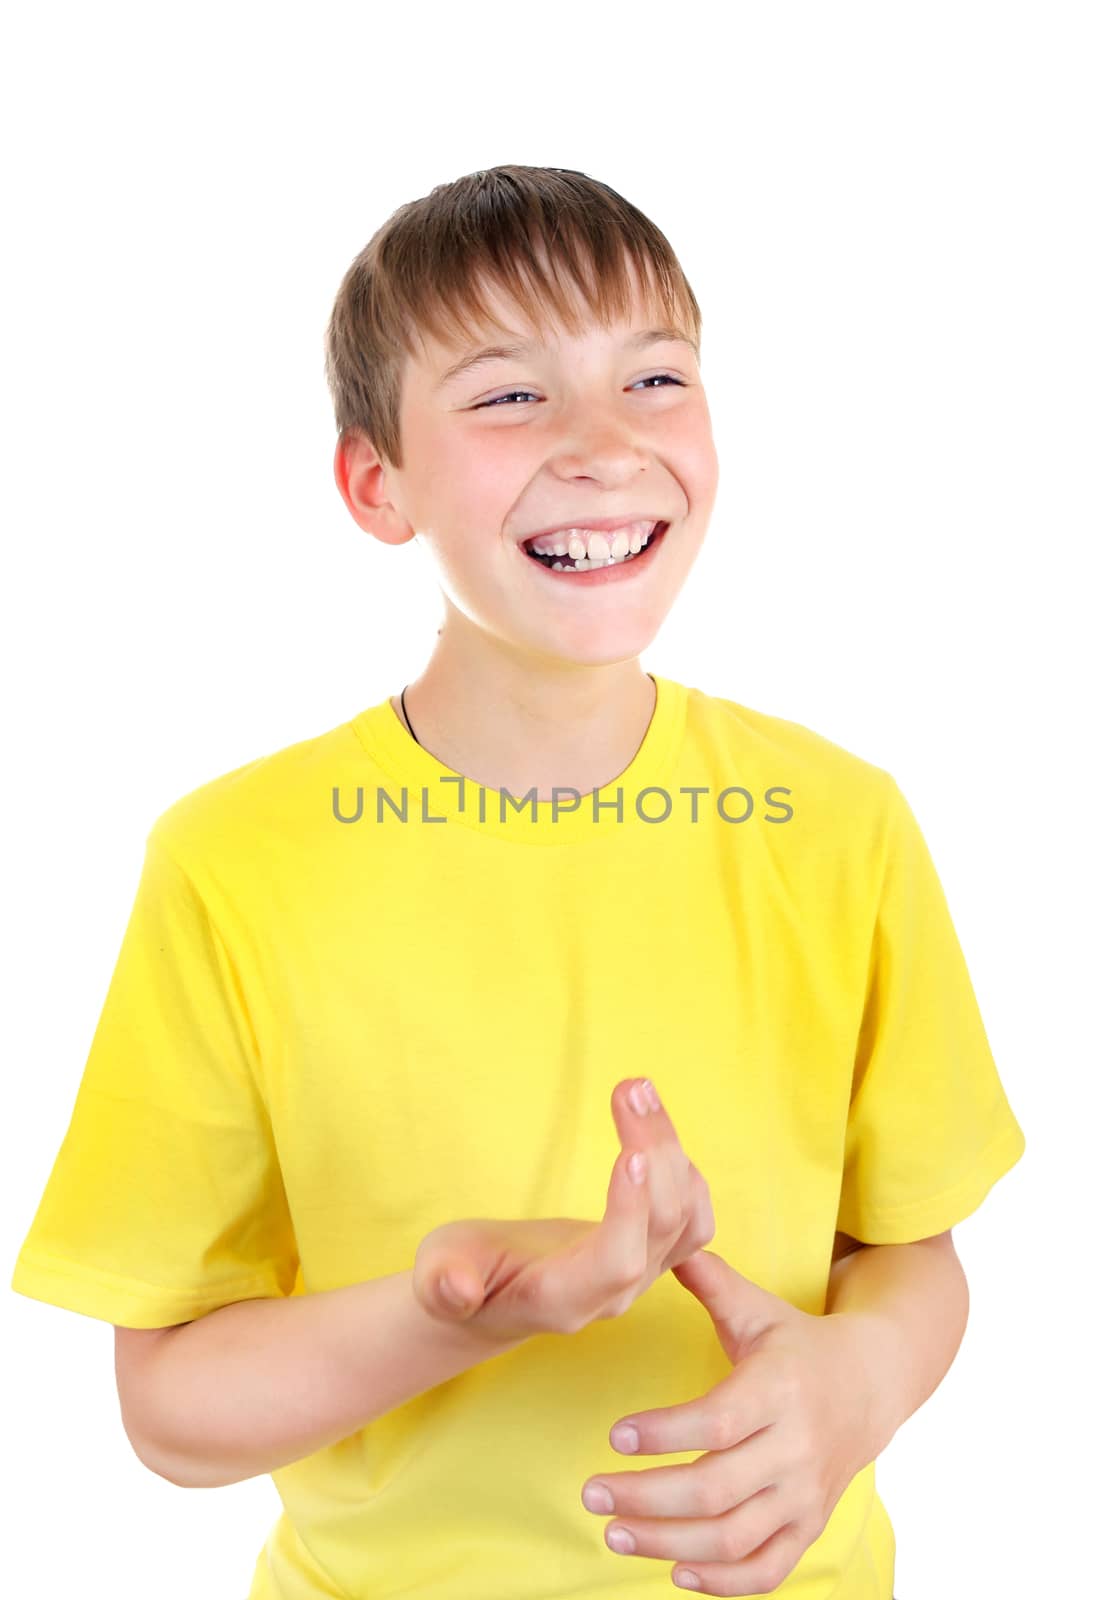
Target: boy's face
[{"x": 583, "y": 434}]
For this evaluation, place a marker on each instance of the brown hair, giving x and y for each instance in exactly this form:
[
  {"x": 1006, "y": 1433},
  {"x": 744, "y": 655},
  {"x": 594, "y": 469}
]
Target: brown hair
[{"x": 422, "y": 270}]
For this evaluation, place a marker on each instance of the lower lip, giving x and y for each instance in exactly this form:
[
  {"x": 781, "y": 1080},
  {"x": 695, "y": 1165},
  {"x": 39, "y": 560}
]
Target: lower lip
[{"x": 617, "y": 573}]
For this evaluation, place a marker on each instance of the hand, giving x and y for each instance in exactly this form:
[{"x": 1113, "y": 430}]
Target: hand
[
  {"x": 785, "y": 1432},
  {"x": 517, "y": 1278}
]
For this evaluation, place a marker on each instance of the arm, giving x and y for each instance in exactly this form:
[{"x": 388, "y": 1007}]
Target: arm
[
  {"x": 255, "y": 1385},
  {"x": 910, "y": 1303}
]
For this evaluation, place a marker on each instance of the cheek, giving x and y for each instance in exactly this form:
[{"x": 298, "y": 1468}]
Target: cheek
[
  {"x": 488, "y": 466},
  {"x": 698, "y": 460},
  {"x": 689, "y": 445}
]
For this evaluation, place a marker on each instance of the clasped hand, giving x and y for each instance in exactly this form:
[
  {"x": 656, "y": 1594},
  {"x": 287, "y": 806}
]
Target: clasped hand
[{"x": 784, "y": 1434}]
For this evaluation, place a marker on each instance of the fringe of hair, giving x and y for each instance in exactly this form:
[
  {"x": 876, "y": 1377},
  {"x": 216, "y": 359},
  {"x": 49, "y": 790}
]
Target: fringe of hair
[{"x": 554, "y": 240}]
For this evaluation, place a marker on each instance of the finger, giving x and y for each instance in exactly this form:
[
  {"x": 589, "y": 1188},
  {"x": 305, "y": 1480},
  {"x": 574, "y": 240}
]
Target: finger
[
  {"x": 614, "y": 1257},
  {"x": 652, "y": 1125},
  {"x": 459, "y": 1290},
  {"x": 621, "y": 1242},
  {"x": 457, "y": 1257},
  {"x": 669, "y": 1170},
  {"x": 701, "y": 1227},
  {"x": 708, "y": 1487},
  {"x": 750, "y": 1551},
  {"x": 447, "y": 1289},
  {"x": 760, "y": 1572},
  {"x": 590, "y": 1277},
  {"x": 726, "y": 1415}
]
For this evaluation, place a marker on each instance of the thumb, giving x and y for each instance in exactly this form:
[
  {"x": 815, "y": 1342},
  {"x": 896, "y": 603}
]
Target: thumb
[
  {"x": 709, "y": 1277},
  {"x": 733, "y": 1301},
  {"x": 458, "y": 1289},
  {"x": 446, "y": 1286},
  {"x": 451, "y": 1268}
]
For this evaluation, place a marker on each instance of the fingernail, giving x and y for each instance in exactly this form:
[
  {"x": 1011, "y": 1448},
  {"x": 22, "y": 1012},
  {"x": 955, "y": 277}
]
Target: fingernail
[
  {"x": 620, "y": 1540},
  {"x": 638, "y": 1100},
  {"x": 451, "y": 1295},
  {"x": 596, "y": 1497},
  {"x": 653, "y": 1098},
  {"x": 624, "y": 1438},
  {"x": 686, "y": 1580}
]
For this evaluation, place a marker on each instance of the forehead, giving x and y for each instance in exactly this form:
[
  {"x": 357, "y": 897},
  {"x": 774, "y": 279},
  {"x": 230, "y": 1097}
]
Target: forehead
[{"x": 504, "y": 322}]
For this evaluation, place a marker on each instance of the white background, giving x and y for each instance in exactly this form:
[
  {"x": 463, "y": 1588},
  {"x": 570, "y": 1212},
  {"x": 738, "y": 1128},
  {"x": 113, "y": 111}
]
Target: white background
[{"x": 899, "y": 222}]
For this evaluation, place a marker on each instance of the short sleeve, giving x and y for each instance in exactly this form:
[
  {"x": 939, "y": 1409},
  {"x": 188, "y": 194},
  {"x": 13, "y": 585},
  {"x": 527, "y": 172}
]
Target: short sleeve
[
  {"x": 166, "y": 1198},
  {"x": 929, "y": 1127}
]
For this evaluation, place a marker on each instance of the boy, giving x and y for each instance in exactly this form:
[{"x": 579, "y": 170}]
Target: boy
[{"x": 386, "y": 978}]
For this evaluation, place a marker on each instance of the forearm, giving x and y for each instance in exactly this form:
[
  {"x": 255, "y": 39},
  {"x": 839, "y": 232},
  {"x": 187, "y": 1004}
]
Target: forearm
[
  {"x": 255, "y": 1385},
  {"x": 910, "y": 1303}
]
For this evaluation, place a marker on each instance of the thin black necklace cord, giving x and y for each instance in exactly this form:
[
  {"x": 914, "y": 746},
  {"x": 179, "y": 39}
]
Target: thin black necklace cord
[{"x": 406, "y": 718}]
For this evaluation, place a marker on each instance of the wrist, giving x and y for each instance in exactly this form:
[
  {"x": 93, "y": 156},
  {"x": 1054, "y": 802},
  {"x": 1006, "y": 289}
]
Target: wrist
[{"x": 874, "y": 1362}]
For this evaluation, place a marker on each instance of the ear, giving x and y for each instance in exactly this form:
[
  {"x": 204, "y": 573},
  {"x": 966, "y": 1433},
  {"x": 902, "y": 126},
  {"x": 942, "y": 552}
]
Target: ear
[{"x": 360, "y": 477}]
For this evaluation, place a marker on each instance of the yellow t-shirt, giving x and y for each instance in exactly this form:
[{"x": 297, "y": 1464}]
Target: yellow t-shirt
[{"x": 330, "y": 1029}]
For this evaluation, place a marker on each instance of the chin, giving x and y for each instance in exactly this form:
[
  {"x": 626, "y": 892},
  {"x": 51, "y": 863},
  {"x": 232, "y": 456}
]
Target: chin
[{"x": 598, "y": 646}]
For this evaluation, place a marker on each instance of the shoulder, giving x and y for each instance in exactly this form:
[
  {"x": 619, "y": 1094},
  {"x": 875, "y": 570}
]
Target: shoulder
[
  {"x": 268, "y": 808},
  {"x": 831, "y": 780}
]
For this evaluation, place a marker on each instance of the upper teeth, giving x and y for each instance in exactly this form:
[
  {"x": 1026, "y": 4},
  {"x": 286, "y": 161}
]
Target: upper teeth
[{"x": 579, "y": 543}]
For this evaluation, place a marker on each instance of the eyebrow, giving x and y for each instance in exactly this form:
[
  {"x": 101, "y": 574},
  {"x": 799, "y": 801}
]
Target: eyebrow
[{"x": 510, "y": 352}]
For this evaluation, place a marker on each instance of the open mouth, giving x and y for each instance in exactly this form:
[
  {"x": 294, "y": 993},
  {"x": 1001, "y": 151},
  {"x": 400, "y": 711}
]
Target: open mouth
[{"x": 567, "y": 564}]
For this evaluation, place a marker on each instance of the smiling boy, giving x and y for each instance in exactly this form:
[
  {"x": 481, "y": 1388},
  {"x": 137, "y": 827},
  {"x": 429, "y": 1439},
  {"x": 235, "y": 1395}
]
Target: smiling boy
[{"x": 390, "y": 976}]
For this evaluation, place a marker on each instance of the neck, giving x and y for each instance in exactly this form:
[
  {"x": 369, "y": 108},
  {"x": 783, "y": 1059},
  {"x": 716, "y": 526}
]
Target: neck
[{"x": 545, "y": 725}]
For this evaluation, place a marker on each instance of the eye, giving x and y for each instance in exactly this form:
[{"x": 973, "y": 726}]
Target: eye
[{"x": 512, "y": 393}]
